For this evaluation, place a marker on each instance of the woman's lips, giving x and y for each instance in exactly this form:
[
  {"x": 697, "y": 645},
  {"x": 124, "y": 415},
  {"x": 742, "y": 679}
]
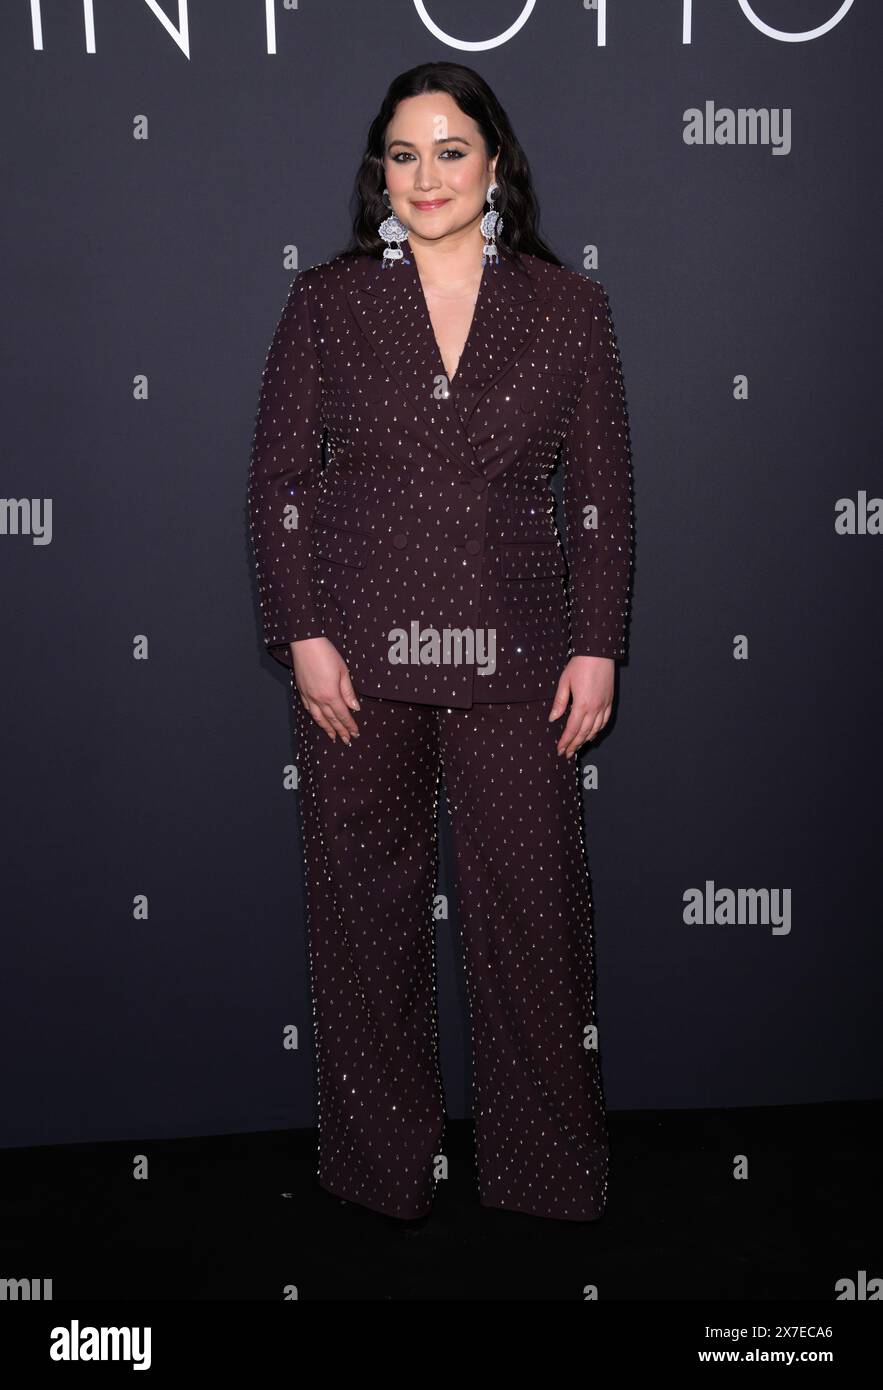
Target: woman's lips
[{"x": 428, "y": 207}]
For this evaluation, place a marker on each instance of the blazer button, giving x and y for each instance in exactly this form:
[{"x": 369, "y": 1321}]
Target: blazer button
[
  {"x": 400, "y": 541},
  {"x": 473, "y": 547},
  {"x": 479, "y": 484}
]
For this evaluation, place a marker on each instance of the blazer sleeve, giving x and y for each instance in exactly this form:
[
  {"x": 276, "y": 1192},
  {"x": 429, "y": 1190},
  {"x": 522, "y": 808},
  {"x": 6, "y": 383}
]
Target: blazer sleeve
[
  {"x": 284, "y": 476},
  {"x": 597, "y": 497}
]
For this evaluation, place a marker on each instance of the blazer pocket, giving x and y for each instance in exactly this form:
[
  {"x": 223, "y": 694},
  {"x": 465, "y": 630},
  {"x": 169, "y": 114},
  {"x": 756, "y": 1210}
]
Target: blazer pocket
[
  {"x": 341, "y": 547},
  {"x": 520, "y": 561},
  {"x": 545, "y": 385}
]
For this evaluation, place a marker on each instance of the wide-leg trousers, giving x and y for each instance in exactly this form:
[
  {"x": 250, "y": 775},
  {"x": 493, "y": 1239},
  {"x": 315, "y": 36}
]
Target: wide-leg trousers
[{"x": 369, "y": 822}]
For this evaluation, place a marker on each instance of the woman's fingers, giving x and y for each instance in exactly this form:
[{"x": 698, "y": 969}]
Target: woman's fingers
[
  {"x": 332, "y": 715},
  {"x": 562, "y": 695},
  {"x": 582, "y": 726},
  {"x": 340, "y": 719}
]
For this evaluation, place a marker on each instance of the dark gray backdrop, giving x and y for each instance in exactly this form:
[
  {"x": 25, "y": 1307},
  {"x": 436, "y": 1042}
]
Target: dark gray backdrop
[{"x": 166, "y": 257}]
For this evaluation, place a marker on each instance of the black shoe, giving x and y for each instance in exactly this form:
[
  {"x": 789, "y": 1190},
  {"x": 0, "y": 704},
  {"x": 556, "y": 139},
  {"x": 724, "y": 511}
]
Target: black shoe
[
  {"x": 401, "y": 1224},
  {"x": 406, "y": 1225}
]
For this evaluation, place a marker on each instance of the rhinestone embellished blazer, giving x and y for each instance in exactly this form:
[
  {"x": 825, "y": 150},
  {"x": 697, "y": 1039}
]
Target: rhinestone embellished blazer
[{"x": 406, "y": 517}]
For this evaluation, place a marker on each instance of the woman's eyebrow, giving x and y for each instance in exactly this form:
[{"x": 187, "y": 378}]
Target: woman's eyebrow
[{"x": 442, "y": 140}]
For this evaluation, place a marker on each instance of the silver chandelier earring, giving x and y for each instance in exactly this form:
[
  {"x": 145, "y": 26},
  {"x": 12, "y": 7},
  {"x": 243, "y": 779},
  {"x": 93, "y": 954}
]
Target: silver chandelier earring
[
  {"x": 393, "y": 233},
  {"x": 491, "y": 225}
]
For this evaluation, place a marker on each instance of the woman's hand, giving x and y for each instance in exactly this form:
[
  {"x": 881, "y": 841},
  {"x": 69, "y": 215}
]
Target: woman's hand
[
  {"x": 588, "y": 681},
  {"x": 324, "y": 685}
]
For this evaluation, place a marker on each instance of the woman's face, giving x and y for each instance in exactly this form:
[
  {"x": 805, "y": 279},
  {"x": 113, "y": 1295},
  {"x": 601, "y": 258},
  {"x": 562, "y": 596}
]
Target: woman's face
[{"x": 435, "y": 166}]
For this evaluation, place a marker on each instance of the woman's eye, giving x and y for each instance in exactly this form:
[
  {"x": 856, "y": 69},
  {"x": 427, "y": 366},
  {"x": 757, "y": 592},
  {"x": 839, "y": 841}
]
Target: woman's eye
[{"x": 401, "y": 155}]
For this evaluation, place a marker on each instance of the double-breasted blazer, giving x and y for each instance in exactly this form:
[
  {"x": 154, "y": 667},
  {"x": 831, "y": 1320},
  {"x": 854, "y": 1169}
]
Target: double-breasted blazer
[{"x": 409, "y": 518}]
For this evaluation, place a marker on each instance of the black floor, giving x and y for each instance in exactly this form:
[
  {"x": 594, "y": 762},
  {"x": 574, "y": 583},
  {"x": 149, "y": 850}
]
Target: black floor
[{"x": 241, "y": 1217}]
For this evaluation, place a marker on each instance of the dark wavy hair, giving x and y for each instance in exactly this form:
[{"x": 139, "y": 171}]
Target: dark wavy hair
[{"x": 515, "y": 201}]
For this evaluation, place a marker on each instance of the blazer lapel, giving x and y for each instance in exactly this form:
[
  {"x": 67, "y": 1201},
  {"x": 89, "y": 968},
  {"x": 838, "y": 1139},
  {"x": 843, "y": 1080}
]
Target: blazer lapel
[{"x": 391, "y": 311}]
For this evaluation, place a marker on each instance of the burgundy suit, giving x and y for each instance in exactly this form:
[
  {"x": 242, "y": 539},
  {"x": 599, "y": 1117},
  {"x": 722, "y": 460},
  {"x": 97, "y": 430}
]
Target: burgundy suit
[
  {"x": 434, "y": 511},
  {"x": 410, "y": 521}
]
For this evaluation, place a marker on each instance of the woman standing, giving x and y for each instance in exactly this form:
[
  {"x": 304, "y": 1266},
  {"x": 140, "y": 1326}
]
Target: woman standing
[{"x": 417, "y": 589}]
